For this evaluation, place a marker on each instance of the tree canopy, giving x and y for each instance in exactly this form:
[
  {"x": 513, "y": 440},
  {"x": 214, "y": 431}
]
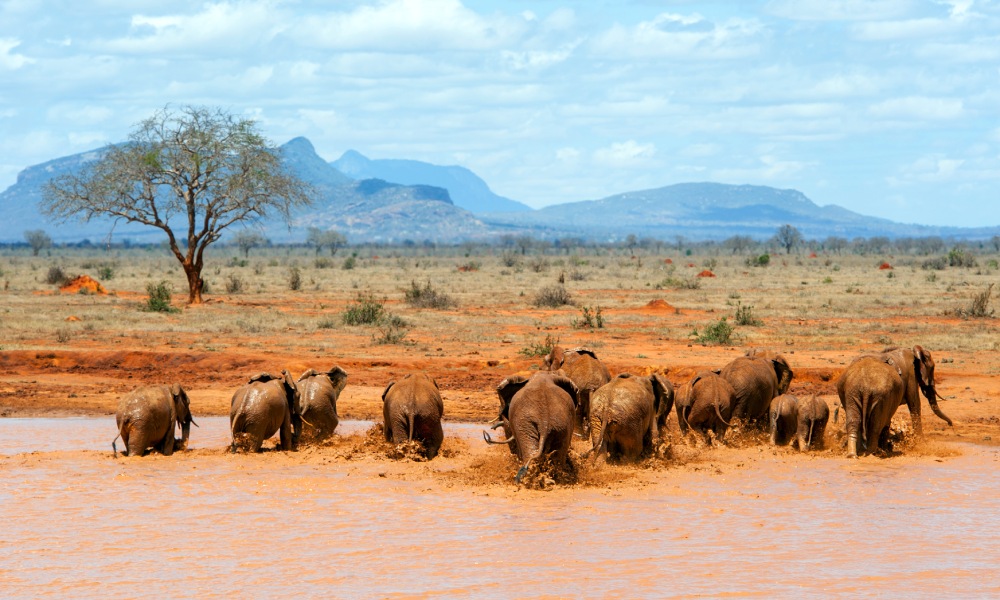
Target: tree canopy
[
  {"x": 38, "y": 240},
  {"x": 325, "y": 238},
  {"x": 190, "y": 171}
]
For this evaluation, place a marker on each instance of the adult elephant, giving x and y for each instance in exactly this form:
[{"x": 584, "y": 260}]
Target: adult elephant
[
  {"x": 626, "y": 415},
  {"x": 412, "y": 409},
  {"x": 813, "y": 415},
  {"x": 757, "y": 378},
  {"x": 870, "y": 390},
  {"x": 917, "y": 370},
  {"x": 537, "y": 416},
  {"x": 265, "y": 406},
  {"x": 146, "y": 418},
  {"x": 317, "y": 395},
  {"x": 586, "y": 372},
  {"x": 706, "y": 406}
]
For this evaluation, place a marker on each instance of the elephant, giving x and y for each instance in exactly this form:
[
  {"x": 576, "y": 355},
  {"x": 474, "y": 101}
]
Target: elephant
[
  {"x": 538, "y": 416},
  {"x": 586, "y": 372},
  {"x": 316, "y": 396},
  {"x": 812, "y": 419},
  {"x": 706, "y": 406},
  {"x": 627, "y": 413},
  {"x": 918, "y": 375},
  {"x": 146, "y": 418},
  {"x": 784, "y": 419},
  {"x": 412, "y": 409},
  {"x": 870, "y": 390},
  {"x": 757, "y": 378},
  {"x": 262, "y": 407}
]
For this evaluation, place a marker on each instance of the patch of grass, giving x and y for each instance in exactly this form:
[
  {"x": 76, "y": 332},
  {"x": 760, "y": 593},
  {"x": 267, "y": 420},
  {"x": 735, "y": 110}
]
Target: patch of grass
[
  {"x": 427, "y": 297},
  {"x": 720, "y": 333},
  {"x": 590, "y": 319},
  {"x": 366, "y": 309},
  {"x": 744, "y": 316},
  {"x": 159, "y": 297},
  {"x": 552, "y": 296},
  {"x": 539, "y": 349},
  {"x": 678, "y": 283}
]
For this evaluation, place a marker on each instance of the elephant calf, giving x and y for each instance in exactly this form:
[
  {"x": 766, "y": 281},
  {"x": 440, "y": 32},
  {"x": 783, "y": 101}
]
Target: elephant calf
[
  {"x": 538, "y": 417},
  {"x": 412, "y": 409},
  {"x": 146, "y": 418},
  {"x": 263, "y": 407},
  {"x": 784, "y": 419},
  {"x": 706, "y": 406},
  {"x": 813, "y": 417},
  {"x": 317, "y": 395},
  {"x": 626, "y": 414}
]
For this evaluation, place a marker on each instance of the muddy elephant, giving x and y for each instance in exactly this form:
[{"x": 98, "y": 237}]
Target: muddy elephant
[
  {"x": 626, "y": 415},
  {"x": 813, "y": 416},
  {"x": 538, "y": 417},
  {"x": 917, "y": 368},
  {"x": 147, "y": 416},
  {"x": 914, "y": 368},
  {"x": 586, "y": 372},
  {"x": 317, "y": 395},
  {"x": 412, "y": 409},
  {"x": 783, "y": 419},
  {"x": 706, "y": 406},
  {"x": 757, "y": 378},
  {"x": 870, "y": 390},
  {"x": 265, "y": 406}
]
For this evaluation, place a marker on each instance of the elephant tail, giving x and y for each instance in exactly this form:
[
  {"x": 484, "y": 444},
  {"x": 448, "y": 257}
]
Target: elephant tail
[
  {"x": 114, "y": 449},
  {"x": 236, "y": 427},
  {"x": 601, "y": 447},
  {"x": 809, "y": 441},
  {"x": 409, "y": 419}
]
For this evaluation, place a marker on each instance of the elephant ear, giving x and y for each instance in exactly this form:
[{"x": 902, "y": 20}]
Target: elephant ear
[
  {"x": 307, "y": 374},
  {"x": 554, "y": 360},
  {"x": 582, "y": 350},
  {"x": 176, "y": 390},
  {"x": 568, "y": 386},
  {"x": 507, "y": 389},
  {"x": 923, "y": 365},
  {"x": 338, "y": 377},
  {"x": 291, "y": 392},
  {"x": 663, "y": 394},
  {"x": 892, "y": 363},
  {"x": 262, "y": 377},
  {"x": 385, "y": 392},
  {"x": 783, "y": 371},
  {"x": 624, "y": 375}
]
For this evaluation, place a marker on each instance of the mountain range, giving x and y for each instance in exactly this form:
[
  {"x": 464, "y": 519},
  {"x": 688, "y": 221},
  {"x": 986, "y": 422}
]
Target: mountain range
[{"x": 392, "y": 201}]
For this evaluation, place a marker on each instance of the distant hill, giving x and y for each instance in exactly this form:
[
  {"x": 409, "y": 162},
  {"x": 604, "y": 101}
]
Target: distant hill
[
  {"x": 466, "y": 188},
  {"x": 713, "y": 211}
]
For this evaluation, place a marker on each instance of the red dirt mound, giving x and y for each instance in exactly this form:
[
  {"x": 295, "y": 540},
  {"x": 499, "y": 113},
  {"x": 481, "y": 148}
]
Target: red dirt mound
[
  {"x": 705, "y": 273},
  {"x": 668, "y": 261},
  {"x": 660, "y": 304},
  {"x": 85, "y": 284},
  {"x": 884, "y": 266}
]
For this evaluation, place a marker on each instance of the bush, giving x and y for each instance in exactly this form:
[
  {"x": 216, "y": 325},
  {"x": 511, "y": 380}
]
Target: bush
[
  {"x": 552, "y": 296},
  {"x": 678, "y": 283},
  {"x": 509, "y": 259},
  {"x": 323, "y": 263},
  {"x": 349, "y": 263},
  {"x": 957, "y": 257},
  {"x": 106, "y": 272},
  {"x": 365, "y": 310},
  {"x": 427, "y": 297},
  {"x": 745, "y": 316},
  {"x": 391, "y": 329},
  {"x": 589, "y": 319},
  {"x": 758, "y": 261},
  {"x": 295, "y": 279},
  {"x": 980, "y": 307},
  {"x": 56, "y": 276},
  {"x": 159, "y": 297},
  {"x": 235, "y": 284},
  {"x": 535, "y": 349},
  {"x": 939, "y": 263},
  {"x": 720, "y": 333}
]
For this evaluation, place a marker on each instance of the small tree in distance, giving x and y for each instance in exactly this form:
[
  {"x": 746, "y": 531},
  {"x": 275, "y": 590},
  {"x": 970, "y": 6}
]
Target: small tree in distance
[
  {"x": 320, "y": 238},
  {"x": 38, "y": 240},
  {"x": 248, "y": 240},
  {"x": 197, "y": 169},
  {"x": 788, "y": 237}
]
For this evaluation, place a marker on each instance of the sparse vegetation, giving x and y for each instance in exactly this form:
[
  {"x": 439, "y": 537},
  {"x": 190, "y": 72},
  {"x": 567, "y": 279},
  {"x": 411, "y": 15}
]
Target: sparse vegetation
[
  {"x": 745, "y": 316},
  {"x": 158, "y": 299},
  {"x": 979, "y": 308},
  {"x": 720, "y": 333},
  {"x": 590, "y": 319},
  {"x": 552, "y": 296},
  {"x": 235, "y": 284},
  {"x": 366, "y": 309},
  {"x": 426, "y": 296},
  {"x": 56, "y": 276},
  {"x": 295, "y": 279},
  {"x": 539, "y": 349}
]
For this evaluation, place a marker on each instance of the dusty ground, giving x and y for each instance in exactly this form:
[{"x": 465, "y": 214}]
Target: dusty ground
[{"x": 77, "y": 353}]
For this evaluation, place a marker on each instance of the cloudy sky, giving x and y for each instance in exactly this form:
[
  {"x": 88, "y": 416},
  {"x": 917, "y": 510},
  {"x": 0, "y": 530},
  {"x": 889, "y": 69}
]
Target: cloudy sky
[{"x": 886, "y": 107}]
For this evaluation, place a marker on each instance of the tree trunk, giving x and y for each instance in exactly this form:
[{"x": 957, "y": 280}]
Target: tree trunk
[{"x": 195, "y": 283}]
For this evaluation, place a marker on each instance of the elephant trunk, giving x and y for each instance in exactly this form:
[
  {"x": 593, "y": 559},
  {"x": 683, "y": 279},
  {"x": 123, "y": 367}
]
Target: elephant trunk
[
  {"x": 930, "y": 392},
  {"x": 185, "y": 432}
]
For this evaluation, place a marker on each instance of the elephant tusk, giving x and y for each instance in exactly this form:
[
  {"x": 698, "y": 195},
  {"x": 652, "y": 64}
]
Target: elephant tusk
[{"x": 195, "y": 424}]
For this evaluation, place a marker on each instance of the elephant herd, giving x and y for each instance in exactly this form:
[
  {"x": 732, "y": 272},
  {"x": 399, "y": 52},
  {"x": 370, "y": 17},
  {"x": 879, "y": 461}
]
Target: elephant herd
[{"x": 572, "y": 395}]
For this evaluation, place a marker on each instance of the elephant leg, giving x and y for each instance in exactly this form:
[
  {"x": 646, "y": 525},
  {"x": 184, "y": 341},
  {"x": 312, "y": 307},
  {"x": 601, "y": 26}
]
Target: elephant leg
[
  {"x": 167, "y": 448},
  {"x": 286, "y": 434},
  {"x": 432, "y": 443}
]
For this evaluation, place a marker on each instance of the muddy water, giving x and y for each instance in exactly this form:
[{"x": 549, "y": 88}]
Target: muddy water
[{"x": 204, "y": 523}]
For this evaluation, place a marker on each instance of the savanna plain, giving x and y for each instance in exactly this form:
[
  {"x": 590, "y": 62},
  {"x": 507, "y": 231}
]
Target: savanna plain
[{"x": 353, "y": 518}]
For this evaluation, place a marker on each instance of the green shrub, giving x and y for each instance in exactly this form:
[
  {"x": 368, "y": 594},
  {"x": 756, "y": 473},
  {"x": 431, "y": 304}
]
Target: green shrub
[
  {"x": 295, "y": 279},
  {"x": 539, "y": 349},
  {"x": 590, "y": 319},
  {"x": 678, "y": 283},
  {"x": 938, "y": 264},
  {"x": 719, "y": 333},
  {"x": 106, "y": 272},
  {"x": 56, "y": 276},
  {"x": 427, "y": 297},
  {"x": 366, "y": 309},
  {"x": 159, "y": 297},
  {"x": 349, "y": 263},
  {"x": 745, "y": 316},
  {"x": 958, "y": 257},
  {"x": 391, "y": 330}
]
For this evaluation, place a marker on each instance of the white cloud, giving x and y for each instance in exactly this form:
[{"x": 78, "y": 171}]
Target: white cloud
[
  {"x": 12, "y": 60},
  {"x": 629, "y": 154},
  {"x": 839, "y": 10},
  {"x": 676, "y": 36},
  {"x": 538, "y": 59},
  {"x": 927, "y": 169},
  {"x": 918, "y": 107}
]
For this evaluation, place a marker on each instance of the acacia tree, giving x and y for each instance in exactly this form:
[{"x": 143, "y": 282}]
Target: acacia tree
[
  {"x": 38, "y": 240},
  {"x": 195, "y": 169},
  {"x": 788, "y": 237},
  {"x": 325, "y": 238},
  {"x": 247, "y": 240}
]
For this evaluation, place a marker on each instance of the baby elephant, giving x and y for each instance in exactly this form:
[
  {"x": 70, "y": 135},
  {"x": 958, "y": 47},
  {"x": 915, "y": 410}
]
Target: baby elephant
[
  {"x": 813, "y": 416},
  {"x": 317, "y": 400},
  {"x": 784, "y": 419},
  {"x": 706, "y": 406},
  {"x": 412, "y": 409},
  {"x": 146, "y": 418},
  {"x": 626, "y": 414},
  {"x": 263, "y": 407}
]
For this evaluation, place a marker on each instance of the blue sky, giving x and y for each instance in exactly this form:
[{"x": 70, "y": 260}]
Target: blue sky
[{"x": 886, "y": 107}]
